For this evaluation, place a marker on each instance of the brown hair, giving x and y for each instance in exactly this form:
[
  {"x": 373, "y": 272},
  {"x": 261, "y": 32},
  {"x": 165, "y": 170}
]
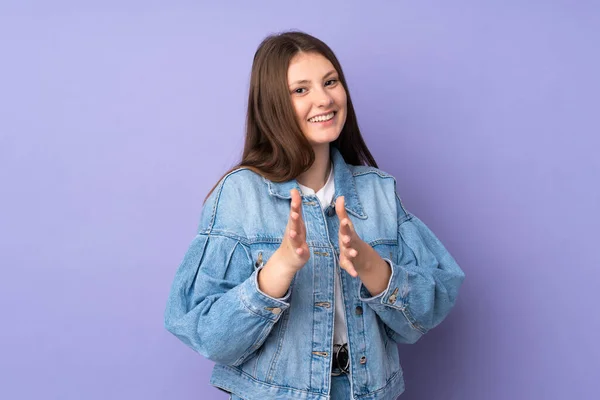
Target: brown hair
[{"x": 275, "y": 146}]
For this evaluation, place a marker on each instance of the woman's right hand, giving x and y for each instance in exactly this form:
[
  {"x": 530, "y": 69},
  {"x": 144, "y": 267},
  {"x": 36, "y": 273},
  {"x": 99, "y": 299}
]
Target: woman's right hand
[
  {"x": 290, "y": 257},
  {"x": 294, "y": 249}
]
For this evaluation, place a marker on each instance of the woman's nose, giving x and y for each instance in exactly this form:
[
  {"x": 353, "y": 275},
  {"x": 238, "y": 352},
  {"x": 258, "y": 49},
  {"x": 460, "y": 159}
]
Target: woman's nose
[{"x": 324, "y": 99}]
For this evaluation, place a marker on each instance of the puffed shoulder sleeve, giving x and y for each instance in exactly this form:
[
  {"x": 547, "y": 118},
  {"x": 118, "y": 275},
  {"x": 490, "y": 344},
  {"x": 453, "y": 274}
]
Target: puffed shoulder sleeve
[
  {"x": 215, "y": 305},
  {"x": 424, "y": 284}
]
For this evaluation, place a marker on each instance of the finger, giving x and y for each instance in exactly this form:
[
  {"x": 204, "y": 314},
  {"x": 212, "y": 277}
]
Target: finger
[
  {"x": 347, "y": 230},
  {"x": 347, "y": 266},
  {"x": 294, "y": 220},
  {"x": 345, "y": 238},
  {"x": 296, "y": 200},
  {"x": 340, "y": 208},
  {"x": 296, "y": 211},
  {"x": 300, "y": 221},
  {"x": 292, "y": 226},
  {"x": 346, "y": 224},
  {"x": 291, "y": 217},
  {"x": 296, "y": 238},
  {"x": 350, "y": 253},
  {"x": 294, "y": 242}
]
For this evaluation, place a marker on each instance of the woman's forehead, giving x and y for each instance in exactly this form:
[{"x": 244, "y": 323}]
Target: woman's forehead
[{"x": 305, "y": 66}]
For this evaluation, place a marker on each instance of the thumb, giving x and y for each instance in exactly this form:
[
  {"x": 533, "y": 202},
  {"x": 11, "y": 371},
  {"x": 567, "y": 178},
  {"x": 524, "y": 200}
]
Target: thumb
[{"x": 340, "y": 207}]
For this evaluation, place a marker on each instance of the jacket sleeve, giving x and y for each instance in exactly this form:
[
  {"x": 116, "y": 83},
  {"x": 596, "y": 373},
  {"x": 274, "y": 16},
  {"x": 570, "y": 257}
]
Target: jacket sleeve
[
  {"x": 215, "y": 306},
  {"x": 423, "y": 286}
]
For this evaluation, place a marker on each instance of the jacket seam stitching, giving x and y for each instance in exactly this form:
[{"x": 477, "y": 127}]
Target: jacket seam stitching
[
  {"x": 254, "y": 312},
  {"x": 411, "y": 320},
  {"x": 249, "y": 377},
  {"x": 218, "y": 197},
  {"x": 373, "y": 171},
  {"x": 381, "y": 388}
]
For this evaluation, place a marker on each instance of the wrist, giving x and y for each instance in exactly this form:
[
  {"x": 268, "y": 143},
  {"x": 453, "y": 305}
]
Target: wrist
[
  {"x": 278, "y": 266},
  {"x": 372, "y": 261}
]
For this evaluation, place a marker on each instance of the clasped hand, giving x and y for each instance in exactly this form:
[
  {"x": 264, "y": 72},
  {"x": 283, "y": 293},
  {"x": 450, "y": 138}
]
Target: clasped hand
[{"x": 355, "y": 254}]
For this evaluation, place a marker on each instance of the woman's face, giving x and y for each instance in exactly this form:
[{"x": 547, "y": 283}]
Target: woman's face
[{"x": 318, "y": 97}]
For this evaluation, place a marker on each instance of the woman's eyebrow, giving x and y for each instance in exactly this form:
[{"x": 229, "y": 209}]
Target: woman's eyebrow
[
  {"x": 303, "y": 81},
  {"x": 332, "y": 72}
]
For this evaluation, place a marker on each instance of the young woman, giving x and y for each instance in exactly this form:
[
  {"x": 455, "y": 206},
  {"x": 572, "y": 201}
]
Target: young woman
[{"x": 260, "y": 290}]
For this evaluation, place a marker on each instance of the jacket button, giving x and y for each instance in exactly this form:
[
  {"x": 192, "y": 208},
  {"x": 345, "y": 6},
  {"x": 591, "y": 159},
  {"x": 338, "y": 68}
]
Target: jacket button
[
  {"x": 392, "y": 299},
  {"x": 276, "y": 310},
  {"x": 363, "y": 360},
  {"x": 358, "y": 310}
]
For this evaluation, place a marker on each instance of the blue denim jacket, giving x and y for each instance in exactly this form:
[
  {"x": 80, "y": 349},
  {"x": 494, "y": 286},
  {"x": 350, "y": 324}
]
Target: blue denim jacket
[{"x": 268, "y": 348}]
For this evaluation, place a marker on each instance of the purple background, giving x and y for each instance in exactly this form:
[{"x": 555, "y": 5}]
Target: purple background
[{"x": 116, "y": 118}]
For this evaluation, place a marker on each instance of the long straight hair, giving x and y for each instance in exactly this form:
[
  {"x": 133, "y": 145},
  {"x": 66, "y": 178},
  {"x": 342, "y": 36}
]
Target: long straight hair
[{"x": 275, "y": 146}]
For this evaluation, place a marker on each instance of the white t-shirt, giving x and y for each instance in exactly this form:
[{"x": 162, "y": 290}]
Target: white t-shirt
[{"x": 325, "y": 196}]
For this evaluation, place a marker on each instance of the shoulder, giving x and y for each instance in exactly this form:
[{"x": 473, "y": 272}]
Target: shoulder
[
  {"x": 366, "y": 175},
  {"x": 360, "y": 170},
  {"x": 237, "y": 183},
  {"x": 234, "y": 192},
  {"x": 379, "y": 185}
]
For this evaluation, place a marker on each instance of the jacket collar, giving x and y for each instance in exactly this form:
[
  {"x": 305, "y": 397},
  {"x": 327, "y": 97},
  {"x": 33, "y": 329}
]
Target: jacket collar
[{"x": 344, "y": 185}]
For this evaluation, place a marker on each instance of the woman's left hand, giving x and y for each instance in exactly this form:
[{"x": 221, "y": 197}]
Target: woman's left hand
[{"x": 355, "y": 254}]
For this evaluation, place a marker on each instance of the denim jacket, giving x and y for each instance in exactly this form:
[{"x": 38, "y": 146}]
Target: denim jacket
[{"x": 281, "y": 348}]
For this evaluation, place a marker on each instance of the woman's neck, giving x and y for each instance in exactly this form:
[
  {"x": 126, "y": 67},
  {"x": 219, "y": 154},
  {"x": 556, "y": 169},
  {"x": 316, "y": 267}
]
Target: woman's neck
[{"x": 316, "y": 176}]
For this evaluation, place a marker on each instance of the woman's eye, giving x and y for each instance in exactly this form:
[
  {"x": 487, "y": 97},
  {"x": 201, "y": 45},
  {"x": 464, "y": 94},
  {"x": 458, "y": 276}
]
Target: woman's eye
[
  {"x": 300, "y": 90},
  {"x": 331, "y": 82}
]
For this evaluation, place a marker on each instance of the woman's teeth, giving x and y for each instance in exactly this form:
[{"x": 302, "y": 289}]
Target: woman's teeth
[{"x": 322, "y": 118}]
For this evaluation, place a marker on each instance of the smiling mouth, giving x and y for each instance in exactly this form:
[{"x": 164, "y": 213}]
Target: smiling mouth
[{"x": 322, "y": 117}]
